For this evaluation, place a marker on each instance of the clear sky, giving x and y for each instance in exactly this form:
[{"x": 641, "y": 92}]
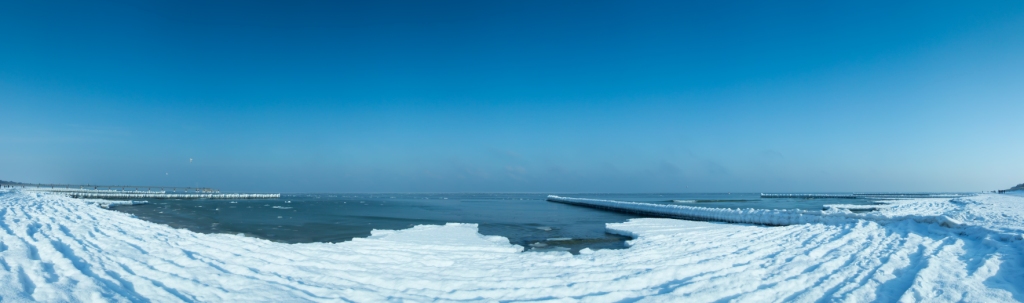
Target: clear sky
[{"x": 515, "y": 96}]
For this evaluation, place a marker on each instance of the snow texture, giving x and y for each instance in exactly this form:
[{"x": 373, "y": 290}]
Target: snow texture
[
  {"x": 54, "y": 248},
  {"x": 853, "y": 207},
  {"x": 808, "y": 196}
]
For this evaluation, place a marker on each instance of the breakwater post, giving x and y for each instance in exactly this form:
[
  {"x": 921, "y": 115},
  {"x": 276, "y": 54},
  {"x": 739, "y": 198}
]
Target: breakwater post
[
  {"x": 140, "y": 192},
  {"x": 808, "y": 196},
  {"x": 170, "y": 196}
]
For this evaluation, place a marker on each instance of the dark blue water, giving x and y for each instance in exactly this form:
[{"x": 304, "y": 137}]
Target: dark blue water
[{"x": 526, "y": 219}]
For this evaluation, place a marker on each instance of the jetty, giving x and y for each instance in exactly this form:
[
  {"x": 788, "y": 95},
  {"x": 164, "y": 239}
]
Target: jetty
[
  {"x": 98, "y": 191},
  {"x": 119, "y": 192},
  {"x": 863, "y": 196},
  {"x": 169, "y": 196},
  {"x": 56, "y": 187},
  {"x": 770, "y": 217},
  {"x": 808, "y": 196}
]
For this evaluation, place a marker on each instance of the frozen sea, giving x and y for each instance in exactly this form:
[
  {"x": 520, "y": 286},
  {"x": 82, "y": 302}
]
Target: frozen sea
[
  {"x": 932, "y": 249},
  {"x": 525, "y": 219}
]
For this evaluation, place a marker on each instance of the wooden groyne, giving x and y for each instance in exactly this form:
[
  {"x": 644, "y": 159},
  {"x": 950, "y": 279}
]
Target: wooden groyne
[
  {"x": 120, "y": 192},
  {"x": 53, "y": 187},
  {"x": 169, "y": 196},
  {"x": 97, "y": 191},
  {"x": 808, "y": 196}
]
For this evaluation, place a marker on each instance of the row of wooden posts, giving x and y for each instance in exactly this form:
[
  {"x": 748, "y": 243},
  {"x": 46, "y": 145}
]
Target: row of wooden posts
[{"x": 112, "y": 187}]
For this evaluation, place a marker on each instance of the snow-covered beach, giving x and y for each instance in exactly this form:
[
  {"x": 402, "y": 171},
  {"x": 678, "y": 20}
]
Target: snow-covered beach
[{"x": 54, "y": 248}]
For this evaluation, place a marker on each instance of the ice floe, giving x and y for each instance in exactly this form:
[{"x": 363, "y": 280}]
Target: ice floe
[
  {"x": 853, "y": 207},
  {"x": 109, "y": 203},
  {"x": 55, "y": 248}
]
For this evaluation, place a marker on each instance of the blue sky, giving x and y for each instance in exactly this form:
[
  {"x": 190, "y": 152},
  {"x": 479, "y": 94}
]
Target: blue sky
[{"x": 515, "y": 96}]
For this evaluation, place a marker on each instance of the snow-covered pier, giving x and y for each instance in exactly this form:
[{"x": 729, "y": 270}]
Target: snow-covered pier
[
  {"x": 863, "y": 196},
  {"x": 808, "y": 196},
  {"x": 773, "y": 217},
  {"x": 97, "y": 191},
  {"x": 169, "y": 196},
  {"x": 134, "y": 192},
  {"x": 54, "y": 187}
]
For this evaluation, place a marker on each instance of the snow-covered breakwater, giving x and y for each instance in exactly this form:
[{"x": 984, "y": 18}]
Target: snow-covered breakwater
[
  {"x": 171, "y": 196},
  {"x": 86, "y": 190},
  {"x": 808, "y": 196},
  {"x": 861, "y": 196},
  {"x": 774, "y": 217}
]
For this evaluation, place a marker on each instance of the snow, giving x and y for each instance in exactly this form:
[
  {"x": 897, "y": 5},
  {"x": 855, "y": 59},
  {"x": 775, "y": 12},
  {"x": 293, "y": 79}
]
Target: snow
[
  {"x": 109, "y": 203},
  {"x": 54, "y": 248},
  {"x": 808, "y": 196},
  {"x": 773, "y": 217},
  {"x": 998, "y": 213},
  {"x": 853, "y": 207}
]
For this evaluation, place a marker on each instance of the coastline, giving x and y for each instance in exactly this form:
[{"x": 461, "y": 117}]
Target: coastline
[{"x": 62, "y": 249}]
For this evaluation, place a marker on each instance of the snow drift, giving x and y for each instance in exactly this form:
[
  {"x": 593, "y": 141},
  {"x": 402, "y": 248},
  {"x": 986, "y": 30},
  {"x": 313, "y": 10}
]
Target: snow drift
[{"x": 54, "y": 248}]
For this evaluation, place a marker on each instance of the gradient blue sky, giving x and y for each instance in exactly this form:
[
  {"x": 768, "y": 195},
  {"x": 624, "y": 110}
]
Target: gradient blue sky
[{"x": 515, "y": 96}]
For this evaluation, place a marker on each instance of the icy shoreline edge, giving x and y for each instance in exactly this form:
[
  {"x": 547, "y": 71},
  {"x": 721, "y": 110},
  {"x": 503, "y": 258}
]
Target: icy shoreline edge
[{"x": 61, "y": 249}]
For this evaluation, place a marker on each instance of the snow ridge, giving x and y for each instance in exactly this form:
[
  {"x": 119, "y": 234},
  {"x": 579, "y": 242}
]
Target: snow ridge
[
  {"x": 808, "y": 196},
  {"x": 58, "y": 249},
  {"x": 853, "y": 207}
]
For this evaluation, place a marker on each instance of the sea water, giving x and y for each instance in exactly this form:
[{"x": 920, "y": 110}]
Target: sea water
[{"x": 525, "y": 219}]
